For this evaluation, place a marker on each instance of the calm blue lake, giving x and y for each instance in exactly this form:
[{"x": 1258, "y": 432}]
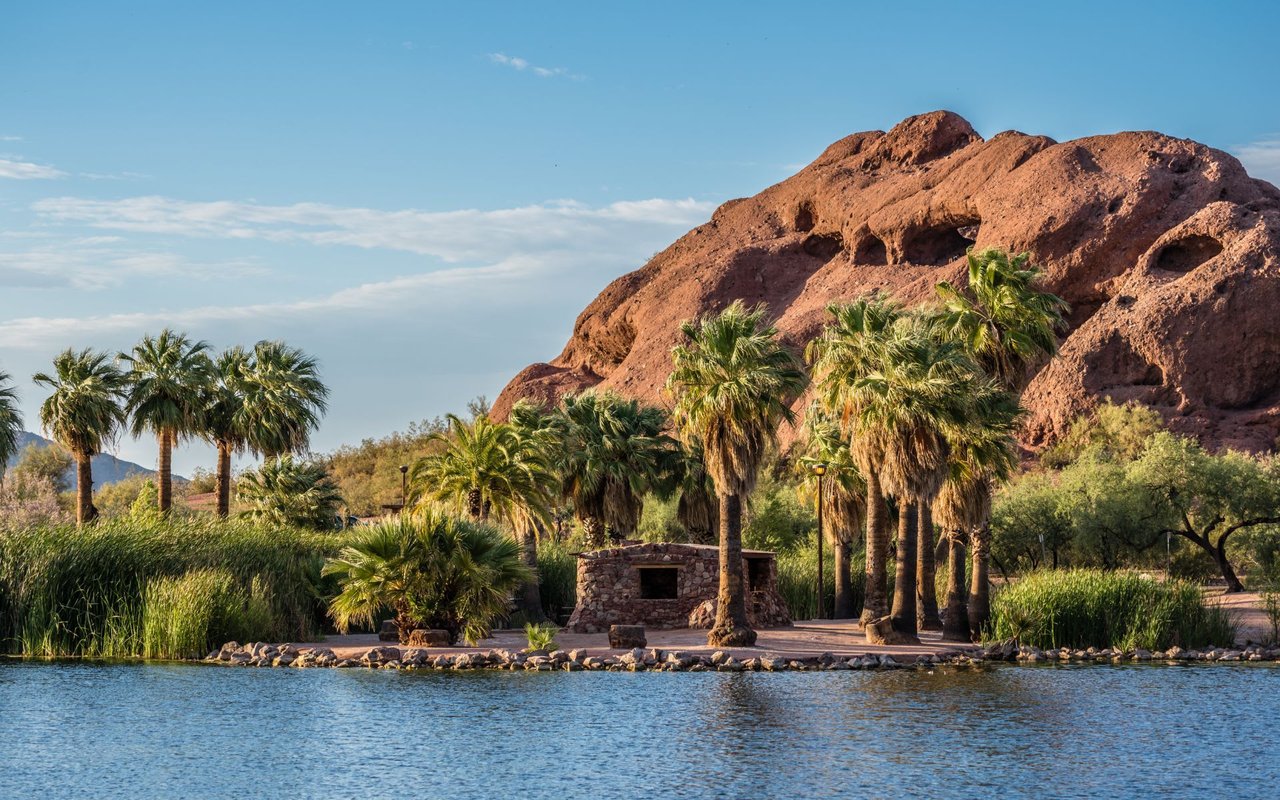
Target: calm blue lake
[{"x": 84, "y": 730}]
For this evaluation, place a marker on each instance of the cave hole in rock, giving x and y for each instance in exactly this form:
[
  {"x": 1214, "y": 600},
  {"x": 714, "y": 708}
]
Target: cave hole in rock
[
  {"x": 871, "y": 250},
  {"x": 942, "y": 244},
  {"x": 823, "y": 245},
  {"x": 804, "y": 218},
  {"x": 659, "y": 583},
  {"x": 1186, "y": 254}
]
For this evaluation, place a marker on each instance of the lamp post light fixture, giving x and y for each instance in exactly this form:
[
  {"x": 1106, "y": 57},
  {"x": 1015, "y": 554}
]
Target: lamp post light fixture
[
  {"x": 404, "y": 487},
  {"x": 820, "y": 469}
]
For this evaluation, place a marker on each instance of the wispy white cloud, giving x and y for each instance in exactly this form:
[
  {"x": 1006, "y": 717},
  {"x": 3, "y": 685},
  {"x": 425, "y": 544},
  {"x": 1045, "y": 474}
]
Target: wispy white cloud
[
  {"x": 523, "y": 65},
  {"x": 1262, "y": 158},
  {"x": 27, "y": 171},
  {"x": 10, "y": 138},
  {"x": 453, "y": 236},
  {"x": 99, "y": 262}
]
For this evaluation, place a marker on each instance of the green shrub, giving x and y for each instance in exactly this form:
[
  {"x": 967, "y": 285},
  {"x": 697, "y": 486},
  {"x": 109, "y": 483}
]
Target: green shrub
[
  {"x": 66, "y": 591},
  {"x": 1092, "y": 608},
  {"x": 541, "y": 636},
  {"x": 558, "y": 578},
  {"x": 1190, "y": 563}
]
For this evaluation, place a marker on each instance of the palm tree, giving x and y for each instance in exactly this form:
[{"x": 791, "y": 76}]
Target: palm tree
[
  {"x": 225, "y": 418},
  {"x": 287, "y": 492},
  {"x": 537, "y": 432},
  {"x": 10, "y": 422},
  {"x": 612, "y": 452},
  {"x": 432, "y": 570},
  {"x": 844, "y": 497},
  {"x": 167, "y": 376},
  {"x": 284, "y": 399},
  {"x": 849, "y": 348},
  {"x": 982, "y": 453},
  {"x": 1008, "y": 326},
  {"x": 83, "y": 413},
  {"x": 733, "y": 383},
  {"x": 921, "y": 390}
]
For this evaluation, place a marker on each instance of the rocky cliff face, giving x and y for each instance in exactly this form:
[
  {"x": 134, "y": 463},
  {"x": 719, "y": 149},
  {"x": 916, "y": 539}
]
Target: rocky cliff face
[{"x": 1167, "y": 251}]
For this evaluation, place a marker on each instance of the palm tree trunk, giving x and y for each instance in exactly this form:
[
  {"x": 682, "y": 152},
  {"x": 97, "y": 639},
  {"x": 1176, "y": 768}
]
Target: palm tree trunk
[
  {"x": 85, "y": 512},
  {"x": 844, "y": 579},
  {"x": 980, "y": 586},
  {"x": 904, "y": 582},
  {"x": 875, "y": 603},
  {"x": 594, "y": 529},
  {"x": 732, "y": 628},
  {"x": 164, "y": 466},
  {"x": 224, "y": 479},
  {"x": 529, "y": 597},
  {"x": 955, "y": 616},
  {"x": 926, "y": 590}
]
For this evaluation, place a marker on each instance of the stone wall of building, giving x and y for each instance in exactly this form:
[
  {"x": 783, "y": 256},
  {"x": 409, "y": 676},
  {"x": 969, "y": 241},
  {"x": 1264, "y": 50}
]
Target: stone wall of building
[{"x": 609, "y": 586}]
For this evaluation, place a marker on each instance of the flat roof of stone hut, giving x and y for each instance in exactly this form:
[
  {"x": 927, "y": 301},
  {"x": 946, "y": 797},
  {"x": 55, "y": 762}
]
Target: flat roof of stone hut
[{"x": 622, "y": 549}]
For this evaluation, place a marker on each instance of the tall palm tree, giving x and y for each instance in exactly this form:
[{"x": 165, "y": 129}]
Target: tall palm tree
[
  {"x": 613, "y": 451},
  {"x": 1009, "y": 326},
  {"x": 83, "y": 413},
  {"x": 10, "y": 422},
  {"x": 225, "y": 418},
  {"x": 921, "y": 390},
  {"x": 850, "y": 348},
  {"x": 537, "y": 432},
  {"x": 844, "y": 497},
  {"x": 733, "y": 383},
  {"x": 284, "y": 399},
  {"x": 982, "y": 452},
  {"x": 166, "y": 387}
]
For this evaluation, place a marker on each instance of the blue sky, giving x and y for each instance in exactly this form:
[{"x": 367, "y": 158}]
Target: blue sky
[{"x": 425, "y": 195}]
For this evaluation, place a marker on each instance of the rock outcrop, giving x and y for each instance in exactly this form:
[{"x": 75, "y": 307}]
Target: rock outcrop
[{"x": 1167, "y": 251}]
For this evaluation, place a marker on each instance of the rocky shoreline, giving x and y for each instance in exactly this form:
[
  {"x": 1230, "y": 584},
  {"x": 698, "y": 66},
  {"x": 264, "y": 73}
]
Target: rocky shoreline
[{"x": 261, "y": 654}]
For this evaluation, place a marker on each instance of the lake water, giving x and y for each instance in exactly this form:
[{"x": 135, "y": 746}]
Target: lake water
[{"x": 76, "y": 729}]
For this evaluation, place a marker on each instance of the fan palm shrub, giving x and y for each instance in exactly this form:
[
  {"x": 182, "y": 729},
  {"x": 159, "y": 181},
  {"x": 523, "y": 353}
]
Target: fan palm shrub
[
  {"x": 83, "y": 413},
  {"x": 733, "y": 383},
  {"x": 165, "y": 396},
  {"x": 431, "y": 570},
  {"x": 285, "y": 491}
]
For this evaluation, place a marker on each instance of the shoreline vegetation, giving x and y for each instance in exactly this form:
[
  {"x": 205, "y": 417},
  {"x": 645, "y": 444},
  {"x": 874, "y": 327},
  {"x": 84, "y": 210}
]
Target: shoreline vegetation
[{"x": 935, "y": 518}]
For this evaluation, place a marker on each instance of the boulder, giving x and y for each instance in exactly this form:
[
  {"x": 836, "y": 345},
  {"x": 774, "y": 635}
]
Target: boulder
[
  {"x": 428, "y": 637},
  {"x": 626, "y": 637},
  {"x": 1167, "y": 251},
  {"x": 389, "y": 632}
]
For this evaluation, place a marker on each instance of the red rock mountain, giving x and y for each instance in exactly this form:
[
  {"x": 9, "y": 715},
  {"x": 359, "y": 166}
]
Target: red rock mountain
[{"x": 1167, "y": 251}]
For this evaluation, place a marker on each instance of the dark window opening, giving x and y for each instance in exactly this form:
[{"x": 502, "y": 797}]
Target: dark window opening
[
  {"x": 757, "y": 573},
  {"x": 659, "y": 583}
]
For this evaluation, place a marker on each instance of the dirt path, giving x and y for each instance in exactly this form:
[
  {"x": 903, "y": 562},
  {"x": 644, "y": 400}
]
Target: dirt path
[
  {"x": 808, "y": 638},
  {"x": 1246, "y": 609}
]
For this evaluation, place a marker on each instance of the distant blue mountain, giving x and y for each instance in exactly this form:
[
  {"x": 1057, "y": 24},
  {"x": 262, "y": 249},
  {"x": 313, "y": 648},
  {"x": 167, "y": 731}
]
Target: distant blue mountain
[{"x": 106, "y": 467}]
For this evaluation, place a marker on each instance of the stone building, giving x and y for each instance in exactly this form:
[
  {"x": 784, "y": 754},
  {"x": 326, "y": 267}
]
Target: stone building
[{"x": 668, "y": 585}]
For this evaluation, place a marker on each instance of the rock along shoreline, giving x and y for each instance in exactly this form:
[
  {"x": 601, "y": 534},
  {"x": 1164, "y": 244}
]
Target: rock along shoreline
[{"x": 261, "y": 654}]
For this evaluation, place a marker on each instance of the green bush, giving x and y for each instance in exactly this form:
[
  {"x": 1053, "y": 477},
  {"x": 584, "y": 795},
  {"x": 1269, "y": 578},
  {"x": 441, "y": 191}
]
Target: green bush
[
  {"x": 66, "y": 591},
  {"x": 1092, "y": 608},
  {"x": 558, "y": 578}
]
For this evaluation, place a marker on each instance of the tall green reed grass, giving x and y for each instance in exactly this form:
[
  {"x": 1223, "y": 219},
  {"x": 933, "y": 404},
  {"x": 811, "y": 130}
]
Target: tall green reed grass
[
  {"x": 558, "y": 578},
  {"x": 1092, "y": 608},
  {"x": 157, "y": 588},
  {"x": 797, "y": 581}
]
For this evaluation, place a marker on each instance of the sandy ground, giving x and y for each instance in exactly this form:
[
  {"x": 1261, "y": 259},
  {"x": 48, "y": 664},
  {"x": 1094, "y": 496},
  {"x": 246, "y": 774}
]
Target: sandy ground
[
  {"x": 808, "y": 638},
  {"x": 1247, "y": 611}
]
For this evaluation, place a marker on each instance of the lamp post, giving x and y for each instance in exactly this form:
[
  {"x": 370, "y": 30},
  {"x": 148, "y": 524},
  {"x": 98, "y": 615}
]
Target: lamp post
[
  {"x": 404, "y": 487},
  {"x": 820, "y": 469}
]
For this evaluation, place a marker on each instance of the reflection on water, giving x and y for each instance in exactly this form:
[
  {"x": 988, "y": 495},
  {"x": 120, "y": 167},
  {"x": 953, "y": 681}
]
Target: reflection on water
[{"x": 72, "y": 729}]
